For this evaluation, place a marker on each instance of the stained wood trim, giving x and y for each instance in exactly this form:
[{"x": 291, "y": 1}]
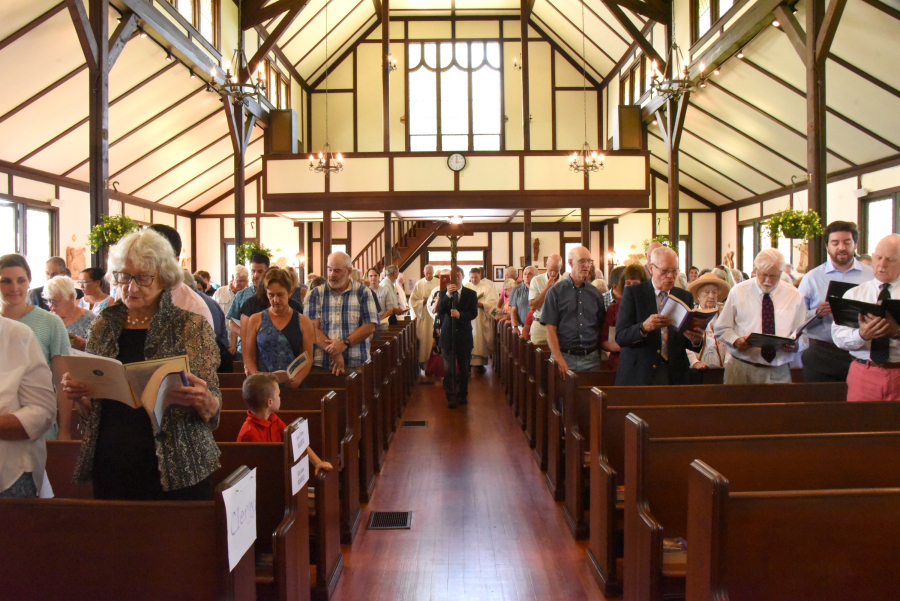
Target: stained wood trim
[
  {"x": 28, "y": 27},
  {"x": 42, "y": 93},
  {"x": 648, "y": 9},
  {"x": 295, "y": 6},
  {"x": 260, "y": 14},
  {"x": 693, "y": 177},
  {"x": 83, "y": 30},
  {"x": 690, "y": 193},
  {"x": 216, "y": 184},
  {"x": 610, "y": 27},
  {"x": 867, "y": 76},
  {"x": 526, "y": 6},
  {"x": 480, "y": 153},
  {"x": 193, "y": 34},
  {"x": 642, "y": 42},
  {"x": 793, "y": 30},
  {"x": 322, "y": 40},
  {"x": 716, "y": 28},
  {"x": 305, "y": 25},
  {"x": 566, "y": 55},
  {"x": 179, "y": 164},
  {"x": 734, "y": 158},
  {"x": 357, "y": 36},
  {"x": 825, "y": 36},
  {"x": 199, "y": 212},
  {"x": 888, "y": 10},
  {"x": 384, "y": 19},
  {"x": 120, "y": 37},
  {"x": 577, "y": 28},
  {"x": 283, "y": 60}
]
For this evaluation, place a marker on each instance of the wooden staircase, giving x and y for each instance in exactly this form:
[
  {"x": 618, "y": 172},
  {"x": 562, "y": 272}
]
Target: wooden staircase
[{"x": 410, "y": 238}]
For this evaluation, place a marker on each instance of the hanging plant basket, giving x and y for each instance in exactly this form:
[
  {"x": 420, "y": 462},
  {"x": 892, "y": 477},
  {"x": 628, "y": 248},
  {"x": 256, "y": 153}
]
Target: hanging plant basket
[
  {"x": 661, "y": 239},
  {"x": 797, "y": 225},
  {"x": 110, "y": 230},
  {"x": 248, "y": 249}
]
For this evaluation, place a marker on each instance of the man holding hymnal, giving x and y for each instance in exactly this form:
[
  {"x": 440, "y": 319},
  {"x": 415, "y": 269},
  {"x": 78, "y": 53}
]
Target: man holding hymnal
[
  {"x": 873, "y": 339},
  {"x": 823, "y": 361},
  {"x": 762, "y": 305}
]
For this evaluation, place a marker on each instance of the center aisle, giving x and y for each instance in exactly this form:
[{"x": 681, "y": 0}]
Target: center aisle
[{"x": 484, "y": 525}]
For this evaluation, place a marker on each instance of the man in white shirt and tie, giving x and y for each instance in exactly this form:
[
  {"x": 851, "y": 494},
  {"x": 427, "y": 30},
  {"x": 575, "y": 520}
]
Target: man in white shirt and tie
[
  {"x": 767, "y": 305},
  {"x": 875, "y": 344}
]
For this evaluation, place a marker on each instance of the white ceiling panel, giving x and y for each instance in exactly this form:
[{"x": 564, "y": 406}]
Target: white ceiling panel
[
  {"x": 16, "y": 15},
  {"x": 701, "y": 172},
  {"x": 690, "y": 183},
  {"x": 180, "y": 174},
  {"x": 866, "y": 38},
  {"x": 57, "y": 157},
  {"x": 854, "y": 144},
  {"x": 220, "y": 188},
  {"x": 863, "y": 102},
  {"x": 718, "y": 160}
]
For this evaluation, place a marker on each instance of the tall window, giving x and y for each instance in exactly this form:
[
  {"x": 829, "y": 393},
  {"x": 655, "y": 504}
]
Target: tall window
[
  {"x": 635, "y": 82},
  {"x": 880, "y": 221},
  {"x": 202, "y": 14},
  {"x": 454, "y": 96},
  {"x": 278, "y": 87},
  {"x": 705, "y": 13},
  {"x": 748, "y": 247},
  {"x": 466, "y": 259},
  {"x": 29, "y": 231}
]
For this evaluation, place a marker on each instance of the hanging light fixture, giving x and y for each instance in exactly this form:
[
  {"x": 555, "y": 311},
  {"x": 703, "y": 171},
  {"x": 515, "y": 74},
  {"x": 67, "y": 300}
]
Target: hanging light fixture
[
  {"x": 328, "y": 162},
  {"x": 588, "y": 160},
  {"x": 233, "y": 88},
  {"x": 679, "y": 82}
]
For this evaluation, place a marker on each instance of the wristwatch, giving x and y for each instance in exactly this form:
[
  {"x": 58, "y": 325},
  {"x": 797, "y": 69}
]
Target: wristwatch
[
  {"x": 643, "y": 331},
  {"x": 346, "y": 342}
]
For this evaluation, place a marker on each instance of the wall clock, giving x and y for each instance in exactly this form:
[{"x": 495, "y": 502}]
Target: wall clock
[{"x": 456, "y": 161}]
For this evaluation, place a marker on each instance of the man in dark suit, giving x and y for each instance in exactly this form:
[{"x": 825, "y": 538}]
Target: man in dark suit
[
  {"x": 652, "y": 352},
  {"x": 457, "y": 307}
]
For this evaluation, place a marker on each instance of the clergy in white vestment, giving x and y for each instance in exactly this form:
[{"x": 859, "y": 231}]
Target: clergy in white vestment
[
  {"x": 483, "y": 325},
  {"x": 424, "y": 319}
]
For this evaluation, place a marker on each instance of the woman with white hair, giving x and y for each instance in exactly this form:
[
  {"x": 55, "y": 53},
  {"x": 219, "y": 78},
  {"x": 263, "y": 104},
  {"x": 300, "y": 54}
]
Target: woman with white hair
[
  {"x": 120, "y": 453},
  {"x": 59, "y": 293}
]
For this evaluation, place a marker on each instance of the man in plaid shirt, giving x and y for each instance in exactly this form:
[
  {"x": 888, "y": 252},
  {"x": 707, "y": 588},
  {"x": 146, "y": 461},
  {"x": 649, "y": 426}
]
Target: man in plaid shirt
[{"x": 344, "y": 315}]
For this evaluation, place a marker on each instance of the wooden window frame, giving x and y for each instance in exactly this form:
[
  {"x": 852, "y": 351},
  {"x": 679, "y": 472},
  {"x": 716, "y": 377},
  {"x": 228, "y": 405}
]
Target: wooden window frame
[
  {"x": 470, "y": 134},
  {"x": 754, "y": 223},
  {"x": 21, "y": 206},
  {"x": 864, "y": 217},
  {"x": 695, "y": 18},
  {"x": 195, "y": 20}
]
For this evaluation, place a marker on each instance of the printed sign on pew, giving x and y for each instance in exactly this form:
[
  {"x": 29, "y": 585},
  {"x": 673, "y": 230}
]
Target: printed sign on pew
[
  {"x": 240, "y": 508},
  {"x": 299, "y": 474},
  {"x": 300, "y": 439}
]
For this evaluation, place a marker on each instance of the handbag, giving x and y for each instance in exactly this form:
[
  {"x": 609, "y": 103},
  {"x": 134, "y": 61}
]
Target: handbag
[{"x": 435, "y": 366}]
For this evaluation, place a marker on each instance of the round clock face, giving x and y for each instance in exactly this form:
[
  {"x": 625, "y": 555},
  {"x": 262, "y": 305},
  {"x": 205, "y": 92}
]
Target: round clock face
[{"x": 456, "y": 161}]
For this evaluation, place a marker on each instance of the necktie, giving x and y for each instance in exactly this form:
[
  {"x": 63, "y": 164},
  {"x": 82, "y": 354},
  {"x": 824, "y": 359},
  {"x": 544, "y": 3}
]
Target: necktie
[
  {"x": 663, "y": 332},
  {"x": 768, "y": 326},
  {"x": 881, "y": 347}
]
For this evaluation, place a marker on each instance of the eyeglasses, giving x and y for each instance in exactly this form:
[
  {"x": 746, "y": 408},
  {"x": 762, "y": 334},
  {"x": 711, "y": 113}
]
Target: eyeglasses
[
  {"x": 664, "y": 271},
  {"x": 84, "y": 283},
  {"x": 772, "y": 277},
  {"x": 123, "y": 279},
  {"x": 585, "y": 262}
]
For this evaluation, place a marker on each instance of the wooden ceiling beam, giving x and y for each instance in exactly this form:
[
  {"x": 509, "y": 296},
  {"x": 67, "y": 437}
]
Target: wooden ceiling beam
[
  {"x": 710, "y": 167},
  {"x": 359, "y": 37},
  {"x": 179, "y": 164},
  {"x": 294, "y": 9},
  {"x": 25, "y": 104},
  {"x": 865, "y": 75},
  {"x": 693, "y": 177},
  {"x": 604, "y": 21},
  {"x": 199, "y": 212},
  {"x": 256, "y": 14},
  {"x": 578, "y": 29},
  {"x": 829, "y": 27},
  {"x": 688, "y": 193},
  {"x": 659, "y": 11},
  {"x": 734, "y": 158},
  {"x": 283, "y": 59},
  {"x": 792, "y": 29},
  {"x": 635, "y": 33},
  {"x": 184, "y": 204},
  {"x": 31, "y": 25},
  {"x": 83, "y": 30},
  {"x": 120, "y": 37}
]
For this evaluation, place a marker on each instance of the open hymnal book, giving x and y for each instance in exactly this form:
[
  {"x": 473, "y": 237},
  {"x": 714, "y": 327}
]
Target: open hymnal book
[
  {"x": 846, "y": 311},
  {"x": 684, "y": 317},
  {"x": 294, "y": 368},
  {"x": 766, "y": 340},
  {"x": 838, "y": 289},
  {"x": 144, "y": 384}
]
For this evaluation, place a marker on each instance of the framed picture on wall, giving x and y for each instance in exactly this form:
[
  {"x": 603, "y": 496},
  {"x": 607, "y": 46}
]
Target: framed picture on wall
[{"x": 498, "y": 272}]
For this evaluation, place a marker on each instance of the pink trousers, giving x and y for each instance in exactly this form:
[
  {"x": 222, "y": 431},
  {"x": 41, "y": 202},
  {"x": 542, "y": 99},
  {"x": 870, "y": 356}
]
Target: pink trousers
[{"x": 872, "y": 383}]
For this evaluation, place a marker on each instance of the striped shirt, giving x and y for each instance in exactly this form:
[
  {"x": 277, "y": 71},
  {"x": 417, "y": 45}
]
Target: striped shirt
[
  {"x": 340, "y": 315},
  {"x": 50, "y": 331}
]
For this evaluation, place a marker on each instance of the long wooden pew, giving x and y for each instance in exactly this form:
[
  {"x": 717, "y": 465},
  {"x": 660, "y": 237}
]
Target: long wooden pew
[
  {"x": 529, "y": 387},
  {"x": 137, "y": 550},
  {"x": 656, "y": 470},
  {"x": 606, "y": 446},
  {"x": 827, "y": 545},
  {"x": 269, "y": 458},
  {"x": 541, "y": 402}
]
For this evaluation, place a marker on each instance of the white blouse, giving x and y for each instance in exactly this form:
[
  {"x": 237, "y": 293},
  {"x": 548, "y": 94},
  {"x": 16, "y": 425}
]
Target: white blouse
[{"x": 26, "y": 391}]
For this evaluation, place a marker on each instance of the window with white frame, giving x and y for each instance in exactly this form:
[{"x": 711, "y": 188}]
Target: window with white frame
[
  {"x": 455, "y": 90},
  {"x": 29, "y": 231},
  {"x": 202, "y": 14}
]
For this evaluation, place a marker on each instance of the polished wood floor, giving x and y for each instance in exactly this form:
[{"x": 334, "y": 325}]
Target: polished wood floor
[{"x": 484, "y": 525}]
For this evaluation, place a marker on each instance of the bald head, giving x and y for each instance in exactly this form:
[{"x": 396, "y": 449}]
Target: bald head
[
  {"x": 338, "y": 270},
  {"x": 663, "y": 267},
  {"x": 428, "y": 272},
  {"x": 651, "y": 247},
  {"x": 886, "y": 259},
  {"x": 579, "y": 261},
  {"x": 554, "y": 265}
]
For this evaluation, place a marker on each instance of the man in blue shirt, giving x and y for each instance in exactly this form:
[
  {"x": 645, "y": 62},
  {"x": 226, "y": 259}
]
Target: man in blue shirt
[
  {"x": 823, "y": 361},
  {"x": 259, "y": 263}
]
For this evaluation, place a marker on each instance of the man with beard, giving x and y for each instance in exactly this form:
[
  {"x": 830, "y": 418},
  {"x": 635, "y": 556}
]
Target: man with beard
[
  {"x": 823, "y": 361},
  {"x": 766, "y": 305}
]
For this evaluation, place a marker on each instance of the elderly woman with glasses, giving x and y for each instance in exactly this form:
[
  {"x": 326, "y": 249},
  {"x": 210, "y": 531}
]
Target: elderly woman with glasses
[
  {"x": 60, "y": 296},
  {"x": 120, "y": 453},
  {"x": 91, "y": 283}
]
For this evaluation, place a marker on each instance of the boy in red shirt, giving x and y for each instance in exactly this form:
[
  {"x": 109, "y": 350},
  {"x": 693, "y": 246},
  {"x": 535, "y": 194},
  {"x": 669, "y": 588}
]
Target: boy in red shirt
[{"x": 263, "y": 399}]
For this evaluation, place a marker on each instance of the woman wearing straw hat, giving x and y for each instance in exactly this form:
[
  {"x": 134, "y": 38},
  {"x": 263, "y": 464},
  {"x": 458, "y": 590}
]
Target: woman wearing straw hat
[{"x": 709, "y": 290}]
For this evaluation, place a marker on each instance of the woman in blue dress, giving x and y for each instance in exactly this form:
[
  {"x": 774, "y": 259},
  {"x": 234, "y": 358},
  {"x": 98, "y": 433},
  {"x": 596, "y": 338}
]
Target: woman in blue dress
[{"x": 278, "y": 334}]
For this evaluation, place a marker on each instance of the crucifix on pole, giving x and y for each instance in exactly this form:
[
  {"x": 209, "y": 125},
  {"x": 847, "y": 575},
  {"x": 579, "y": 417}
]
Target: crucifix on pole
[{"x": 240, "y": 127}]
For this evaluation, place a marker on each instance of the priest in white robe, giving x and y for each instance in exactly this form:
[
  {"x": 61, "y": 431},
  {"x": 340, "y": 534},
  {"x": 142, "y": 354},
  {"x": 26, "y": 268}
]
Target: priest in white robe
[
  {"x": 424, "y": 318},
  {"x": 483, "y": 325}
]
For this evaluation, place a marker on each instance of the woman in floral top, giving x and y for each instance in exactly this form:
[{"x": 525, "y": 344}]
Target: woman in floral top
[{"x": 120, "y": 453}]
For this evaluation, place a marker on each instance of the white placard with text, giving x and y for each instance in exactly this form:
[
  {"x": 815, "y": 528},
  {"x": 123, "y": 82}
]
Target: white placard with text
[
  {"x": 299, "y": 475},
  {"x": 300, "y": 439},
  {"x": 240, "y": 509}
]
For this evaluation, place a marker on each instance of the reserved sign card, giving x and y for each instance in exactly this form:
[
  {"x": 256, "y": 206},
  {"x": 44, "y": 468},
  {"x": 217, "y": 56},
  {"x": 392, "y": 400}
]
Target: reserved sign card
[
  {"x": 299, "y": 475},
  {"x": 300, "y": 439},
  {"x": 240, "y": 509}
]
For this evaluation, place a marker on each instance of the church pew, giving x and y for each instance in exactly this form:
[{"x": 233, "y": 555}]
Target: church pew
[
  {"x": 521, "y": 379},
  {"x": 656, "y": 472},
  {"x": 542, "y": 375},
  {"x": 827, "y": 545},
  {"x": 530, "y": 390},
  {"x": 136, "y": 550},
  {"x": 555, "y": 476},
  {"x": 513, "y": 365},
  {"x": 269, "y": 459},
  {"x": 607, "y": 447}
]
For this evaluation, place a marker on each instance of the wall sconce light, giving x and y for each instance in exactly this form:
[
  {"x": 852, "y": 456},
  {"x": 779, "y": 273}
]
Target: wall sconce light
[
  {"x": 301, "y": 260},
  {"x": 391, "y": 63},
  {"x": 517, "y": 63},
  {"x": 611, "y": 260}
]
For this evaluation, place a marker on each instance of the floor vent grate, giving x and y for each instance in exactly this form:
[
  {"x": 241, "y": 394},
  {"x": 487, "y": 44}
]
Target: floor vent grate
[
  {"x": 414, "y": 424},
  {"x": 390, "y": 520}
]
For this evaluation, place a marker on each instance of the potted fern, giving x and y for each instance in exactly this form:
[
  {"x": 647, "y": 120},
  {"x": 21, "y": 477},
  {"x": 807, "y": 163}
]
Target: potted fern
[
  {"x": 797, "y": 225},
  {"x": 248, "y": 249},
  {"x": 110, "y": 230}
]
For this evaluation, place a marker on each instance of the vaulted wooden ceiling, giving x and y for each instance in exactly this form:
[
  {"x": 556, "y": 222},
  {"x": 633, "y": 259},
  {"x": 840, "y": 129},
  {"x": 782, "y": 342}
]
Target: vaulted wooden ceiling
[{"x": 744, "y": 133}]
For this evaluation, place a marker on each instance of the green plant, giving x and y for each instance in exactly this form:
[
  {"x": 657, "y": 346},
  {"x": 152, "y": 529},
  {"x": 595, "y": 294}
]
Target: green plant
[
  {"x": 802, "y": 225},
  {"x": 248, "y": 249},
  {"x": 110, "y": 230},
  {"x": 661, "y": 239}
]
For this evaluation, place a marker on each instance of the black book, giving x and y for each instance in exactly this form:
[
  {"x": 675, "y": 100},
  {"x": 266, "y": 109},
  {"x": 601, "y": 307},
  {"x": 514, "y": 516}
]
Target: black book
[
  {"x": 765, "y": 340},
  {"x": 846, "y": 311},
  {"x": 838, "y": 289}
]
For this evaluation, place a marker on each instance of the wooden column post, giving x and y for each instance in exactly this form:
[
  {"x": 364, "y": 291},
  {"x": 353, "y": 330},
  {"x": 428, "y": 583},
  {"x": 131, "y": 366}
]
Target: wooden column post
[
  {"x": 326, "y": 241},
  {"x": 816, "y": 156},
  {"x": 240, "y": 127},
  {"x": 388, "y": 240},
  {"x": 586, "y": 227},
  {"x": 672, "y": 125},
  {"x": 529, "y": 260},
  {"x": 99, "y": 119},
  {"x": 386, "y": 72},
  {"x": 526, "y": 105},
  {"x": 301, "y": 240}
]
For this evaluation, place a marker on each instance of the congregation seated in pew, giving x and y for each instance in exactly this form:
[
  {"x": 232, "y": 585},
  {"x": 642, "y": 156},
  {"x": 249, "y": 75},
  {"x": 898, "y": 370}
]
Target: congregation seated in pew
[{"x": 263, "y": 398}]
